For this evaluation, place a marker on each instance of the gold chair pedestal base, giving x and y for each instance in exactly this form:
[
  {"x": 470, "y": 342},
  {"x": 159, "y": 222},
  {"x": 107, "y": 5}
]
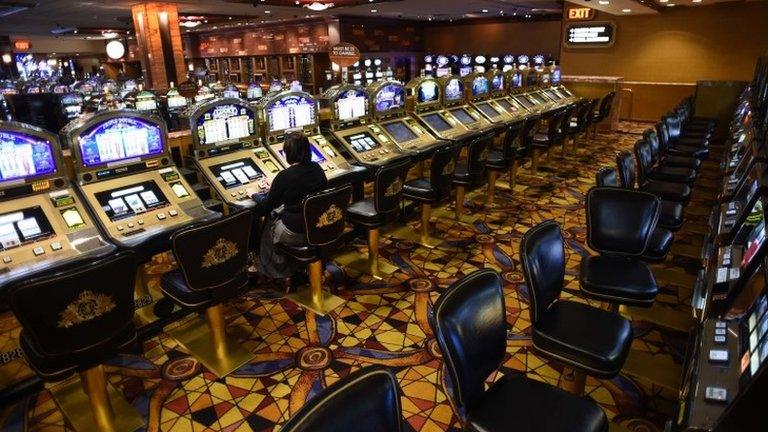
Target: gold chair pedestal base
[
  {"x": 408, "y": 234},
  {"x": 362, "y": 265},
  {"x": 219, "y": 353},
  {"x": 117, "y": 415},
  {"x": 314, "y": 299}
]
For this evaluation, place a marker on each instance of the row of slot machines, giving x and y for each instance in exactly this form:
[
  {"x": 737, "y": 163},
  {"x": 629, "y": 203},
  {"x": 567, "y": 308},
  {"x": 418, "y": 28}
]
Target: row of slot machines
[{"x": 725, "y": 380}]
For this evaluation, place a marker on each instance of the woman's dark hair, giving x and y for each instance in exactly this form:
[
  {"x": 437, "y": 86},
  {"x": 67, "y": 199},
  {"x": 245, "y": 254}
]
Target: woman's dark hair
[{"x": 296, "y": 148}]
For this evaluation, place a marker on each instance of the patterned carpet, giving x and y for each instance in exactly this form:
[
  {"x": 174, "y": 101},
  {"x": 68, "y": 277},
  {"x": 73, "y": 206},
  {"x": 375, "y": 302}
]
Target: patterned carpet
[{"x": 385, "y": 322}]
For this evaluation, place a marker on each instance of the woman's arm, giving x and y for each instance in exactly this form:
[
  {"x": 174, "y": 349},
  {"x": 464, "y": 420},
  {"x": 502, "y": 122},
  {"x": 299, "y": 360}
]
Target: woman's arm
[{"x": 274, "y": 198}]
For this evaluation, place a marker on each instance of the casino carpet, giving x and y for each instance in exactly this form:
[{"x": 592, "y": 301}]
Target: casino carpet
[{"x": 385, "y": 322}]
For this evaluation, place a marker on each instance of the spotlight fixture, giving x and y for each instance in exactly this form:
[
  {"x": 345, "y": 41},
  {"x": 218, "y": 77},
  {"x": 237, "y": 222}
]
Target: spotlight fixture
[{"x": 318, "y": 6}]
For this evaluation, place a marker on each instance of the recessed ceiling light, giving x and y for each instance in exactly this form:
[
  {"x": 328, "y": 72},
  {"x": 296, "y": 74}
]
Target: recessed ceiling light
[
  {"x": 697, "y": 1},
  {"x": 604, "y": 2},
  {"x": 670, "y": 4},
  {"x": 267, "y": 12},
  {"x": 663, "y": 1},
  {"x": 374, "y": 10},
  {"x": 626, "y": 10},
  {"x": 485, "y": 10}
]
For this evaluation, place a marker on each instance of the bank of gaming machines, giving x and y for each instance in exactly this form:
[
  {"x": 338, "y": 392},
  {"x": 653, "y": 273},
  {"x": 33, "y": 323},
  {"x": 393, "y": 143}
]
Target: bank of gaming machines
[
  {"x": 126, "y": 175},
  {"x": 478, "y": 93},
  {"x": 44, "y": 223},
  {"x": 455, "y": 103},
  {"x": 173, "y": 105},
  {"x": 499, "y": 97},
  {"x": 426, "y": 104},
  {"x": 351, "y": 126}
]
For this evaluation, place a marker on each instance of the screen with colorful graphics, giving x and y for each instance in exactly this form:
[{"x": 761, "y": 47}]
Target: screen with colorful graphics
[
  {"x": 351, "y": 105},
  {"x": 25, "y": 156},
  {"x": 291, "y": 112},
  {"x": 498, "y": 82},
  {"x": 480, "y": 86},
  {"x": 120, "y": 139},
  {"x": 390, "y": 97},
  {"x": 428, "y": 92},
  {"x": 224, "y": 123},
  {"x": 454, "y": 90}
]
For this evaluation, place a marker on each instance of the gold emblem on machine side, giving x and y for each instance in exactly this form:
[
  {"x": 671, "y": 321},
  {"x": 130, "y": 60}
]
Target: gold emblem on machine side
[
  {"x": 394, "y": 188},
  {"x": 220, "y": 253},
  {"x": 330, "y": 216},
  {"x": 449, "y": 168},
  {"x": 86, "y": 307}
]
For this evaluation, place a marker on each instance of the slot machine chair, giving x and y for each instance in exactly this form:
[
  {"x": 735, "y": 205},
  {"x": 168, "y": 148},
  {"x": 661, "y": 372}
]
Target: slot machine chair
[
  {"x": 505, "y": 160},
  {"x": 565, "y": 124},
  {"x": 469, "y": 322},
  {"x": 628, "y": 175},
  {"x": 85, "y": 319},
  {"x": 644, "y": 157},
  {"x": 679, "y": 135},
  {"x": 677, "y": 149},
  {"x": 543, "y": 142},
  {"x": 373, "y": 213},
  {"x": 365, "y": 400},
  {"x": 470, "y": 173},
  {"x": 670, "y": 214},
  {"x": 212, "y": 269},
  {"x": 663, "y": 160},
  {"x": 429, "y": 190},
  {"x": 530, "y": 129},
  {"x": 620, "y": 224},
  {"x": 324, "y": 221},
  {"x": 603, "y": 111},
  {"x": 579, "y": 122},
  {"x": 585, "y": 339}
]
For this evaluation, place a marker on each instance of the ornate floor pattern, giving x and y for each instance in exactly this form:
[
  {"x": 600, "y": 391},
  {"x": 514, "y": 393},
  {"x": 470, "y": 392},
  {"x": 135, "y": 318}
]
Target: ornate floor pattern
[{"x": 385, "y": 322}]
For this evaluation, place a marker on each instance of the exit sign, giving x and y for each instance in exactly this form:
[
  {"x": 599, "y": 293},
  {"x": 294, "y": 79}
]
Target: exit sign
[{"x": 581, "y": 14}]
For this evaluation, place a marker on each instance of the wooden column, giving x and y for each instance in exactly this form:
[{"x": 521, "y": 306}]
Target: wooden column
[{"x": 159, "y": 40}]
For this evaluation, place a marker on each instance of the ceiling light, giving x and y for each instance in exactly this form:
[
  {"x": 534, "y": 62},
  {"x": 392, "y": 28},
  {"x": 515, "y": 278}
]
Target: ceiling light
[
  {"x": 190, "y": 24},
  {"x": 374, "y": 10},
  {"x": 267, "y": 12},
  {"x": 670, "y": 4},
  {"x": 663, "y": 1},
  {"x": 626, "y": 10},
  {"x": 485, "y": 11},
  {"x": 317, "y": 6},
  {"x": 697, "y": 1},
  {"x": 604, "y": 2}
]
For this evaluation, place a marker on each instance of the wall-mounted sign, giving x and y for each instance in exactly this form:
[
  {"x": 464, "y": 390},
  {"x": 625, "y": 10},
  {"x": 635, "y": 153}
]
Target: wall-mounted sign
[
  {"x": 22, "y": 45},
  {"x": 344, "y": 54},
  {"x": 592, "y": 35},
  {"x": 188, "y": 89},
  {"x": 581, "y": 14}
]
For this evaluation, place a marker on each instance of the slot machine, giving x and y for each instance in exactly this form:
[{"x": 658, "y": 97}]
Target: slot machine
[
  {"x": 254, "y": 92},
  {"x": 498, "y": 90},
  {"x": 465, "y": 65},
  {"x": 454, "y": 102},
  {"x": 388, "y": 112},
  {"x": 44, "y": 223},
  {"x": 7, "y": 89},
  {"x": 230, "y": 91},
  {"x": 126, "y": 175},
  {"x": 477, "y": 87},
  {"x": 351, "y": 126},
  {"x": 204, "y": 93},
  {"x": 426, "y": 105},
  {"x": 443, "y": 66},
  {"x": 557, "y": 81},
  {"x": 480, "y": 64},
  {"x": 297, "y": 111},
  {"x": 429, "y": 66},
  {"x": 143, "y": 101},
  {"x": 227, "y": 149},
  {"x": 173, "y": 105},
  {"x": 72, "y": 105},
  {"x": 509, "y": 63}
]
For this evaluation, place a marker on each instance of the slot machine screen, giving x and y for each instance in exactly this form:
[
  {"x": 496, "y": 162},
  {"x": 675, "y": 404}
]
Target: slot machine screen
[
  {"x": 362, "y": 142},
  {"x": 351, "y": 105},
  {"x": 437, "y": 122},
  {"x": 755, "y": 237},
  {"x": 531, "y": 79},
  {"x": 177, "y": 101},
  {"x": 400, "y": 131},
  {"x": 291, "y": 112},
  {"x": 390, "y": 97},
  {"x": 507, "y": 105},
  {"x": 463, "y": 116},
  {"x": 146, "y": 105},
  {"x": 25, "y": 156},
  {"x": 498, "y": 82},
  {"x": 488, "y": 110},
  {"x": 554, "y": 94},
  {"x": 480, "y": 86},
  {"x": 517, "y": 80},
  {"x": 132, "y": 200},
  {"x": 317, "y": 156},
  {"x": 254, "y": 92},
  {"x": 755, "y": 322},
  {"x": 557, "y": 77},
  {"x": 120, "y": 139},
  {"x": 428, "y": 92},
  {"x": 525, "y": 102},
  {"x": 237, "y": 173},
  {"x": 454, "y": 90},
  {"x": 224, "y": 123},
  {"x": 23, "y": 226},
  {"x": 441, "y": 72},
  {"x": 231, "y": 92}
]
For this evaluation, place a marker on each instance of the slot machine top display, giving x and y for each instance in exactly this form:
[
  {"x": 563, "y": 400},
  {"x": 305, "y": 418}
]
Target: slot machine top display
[
  {"x": 454, "y": 101},
  {"x": 387, "y": 99},
  {"x": 478, "y": 87},
  {"x": 426, "y": 102},
  {"x": 497, "y": 80},
  {"x": 348, "y": 104},
  {"x": 222, "y": 125},
  {"x": 43, "y": 222},
  {"x": 426, "y": 94},
  {"x": 174, "y": 100},
  {"x": 126, "y": 174}
]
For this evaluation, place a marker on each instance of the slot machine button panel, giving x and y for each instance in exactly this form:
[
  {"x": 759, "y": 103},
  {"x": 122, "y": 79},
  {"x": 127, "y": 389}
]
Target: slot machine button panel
[
  {"x": 173, "y": 213},
  {"x": 161, "y": 216},
  {"x": 38, "y": 251},
  {"x": 56, "y": 246},
  {"x": 7, "y": 260}
]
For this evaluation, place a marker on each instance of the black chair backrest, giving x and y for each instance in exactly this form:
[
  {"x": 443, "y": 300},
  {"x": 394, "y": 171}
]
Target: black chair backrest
[
  {"x": 214, "y": 255},
  {"x": 532, "y": 123},
  {"x": 605, "y": 106},
  {"x": 441, "y": 169},
  {"x": 674, "y": 125},
  {"x": 70, "y": 311},
  {"x": 542, "y": 253},
  {"x": 470, "y": 326},
  {"x": 325, "y": 215},
  {"x": 590, "y": 110},
  {"x": 650, "y": 136},
  {"x": 620, "y": 221},
  {"x": 607, "y": 177},
  {"x": 644, "y": 160},
  {"x": 512, "y": 140},
  {"x": 581, "y": 113},
  {"x": 662, "y": 133},
  {"x": 565, "y": 120},
  {"x": 477, "y": 154},
  {"x": 388, "y": 186},
  {"x": 553, "y": 128},
  {"x": 367, "y": 400},
  {"x": 625, "y": 164}
]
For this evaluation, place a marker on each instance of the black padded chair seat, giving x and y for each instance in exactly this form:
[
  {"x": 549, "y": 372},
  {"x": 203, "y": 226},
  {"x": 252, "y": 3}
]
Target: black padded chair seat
[
  {"x": 173, "y": 285},
  {"x": 673, "y": 174},
  {"x": 583, "y": 337},
  {"x": 701, "y": 142},
  {"x": 303, "y": 253},
  {"x": 671, "y": 215},
  {"x": 57, "y": 368},
  {"x": 668, "y": 191},
  {"x": 618, "y": 280},
  {"x": 364, "y": 213},
  {"x": 463, "y": 178},
  {"x": 496, "y": 161},
  {"x": 528, "y": 405},
  {"x": 688, "y": 151},
  {"x": 540, "y": 141},
  {"x": 659, "y": 244},
  {"x": 681, "y": 162},
  {"x": 421, "y": 189}
]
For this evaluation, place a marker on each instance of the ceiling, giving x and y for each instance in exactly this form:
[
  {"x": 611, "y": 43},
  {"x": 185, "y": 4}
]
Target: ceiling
[
  {"x": 642, "y": 7},
  {"x": 48, "y": 15}
]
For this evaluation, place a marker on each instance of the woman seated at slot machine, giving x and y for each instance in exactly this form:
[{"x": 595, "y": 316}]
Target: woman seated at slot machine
[{"x": 283, "y": 204}]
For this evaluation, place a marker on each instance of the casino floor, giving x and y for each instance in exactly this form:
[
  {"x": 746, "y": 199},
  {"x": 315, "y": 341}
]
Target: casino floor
[{"x": 385, "y": 322}]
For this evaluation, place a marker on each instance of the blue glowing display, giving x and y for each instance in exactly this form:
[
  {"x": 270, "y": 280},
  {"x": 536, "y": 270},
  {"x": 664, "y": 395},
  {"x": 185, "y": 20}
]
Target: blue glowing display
[
  {"x": 390, "y": 97},
  {"x": 498, "y": 82},
  {"x": 23, "y": 155},
  {"x": 556, "y": 77},
  {"x": 428, "y": 92},
  {"x": 120, "y": 139},
  {"x": 480, "y": 86},
  {"x": 454, "y": 90}
]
